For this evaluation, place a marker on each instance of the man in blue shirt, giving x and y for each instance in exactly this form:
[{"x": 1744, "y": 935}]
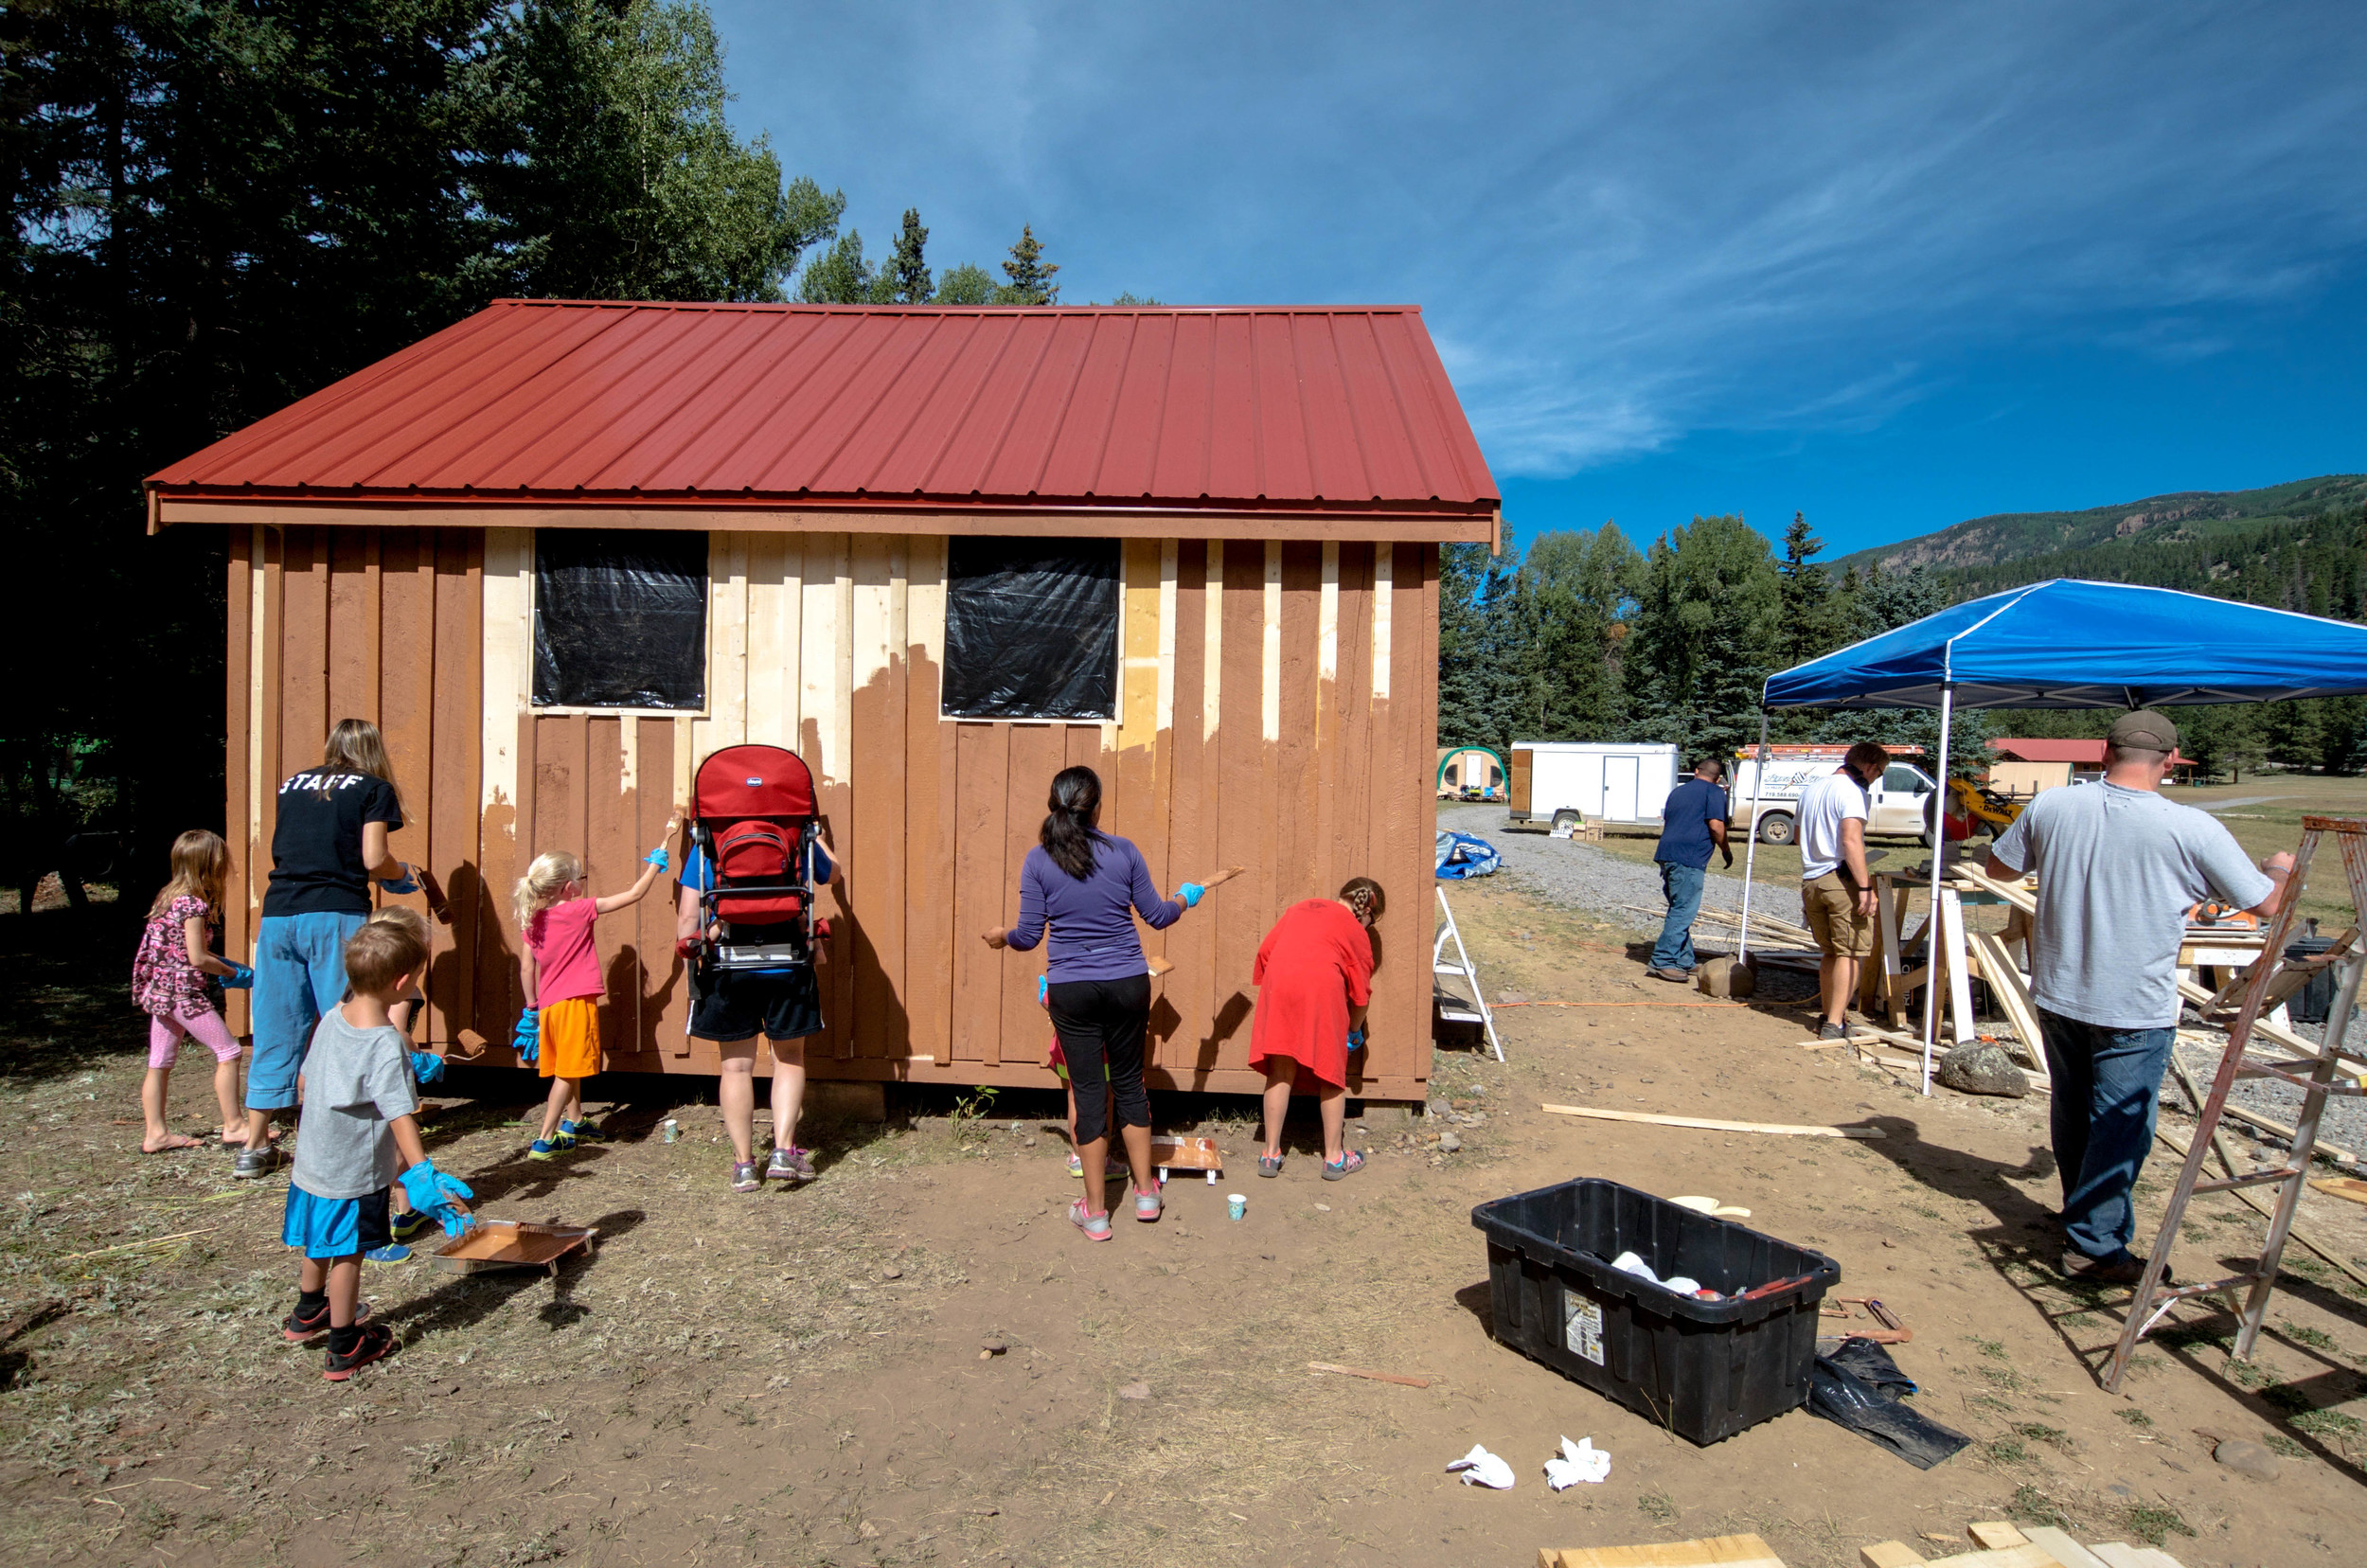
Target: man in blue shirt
[{"x": 1693, "y": 822}]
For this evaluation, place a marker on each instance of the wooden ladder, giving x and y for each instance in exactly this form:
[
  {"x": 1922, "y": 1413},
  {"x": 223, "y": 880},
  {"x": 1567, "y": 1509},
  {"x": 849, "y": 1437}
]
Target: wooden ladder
[{"x": 2271, "y": 977}]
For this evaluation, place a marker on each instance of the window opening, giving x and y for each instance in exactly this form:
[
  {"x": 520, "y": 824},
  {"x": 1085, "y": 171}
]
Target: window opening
[
  {"x": 620, "y": 618},
  {"x": 1031, "y": 629}
]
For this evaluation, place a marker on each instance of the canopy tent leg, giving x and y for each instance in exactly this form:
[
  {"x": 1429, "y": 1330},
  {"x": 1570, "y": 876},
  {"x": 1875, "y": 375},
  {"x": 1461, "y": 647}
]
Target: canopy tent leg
[
  {"x": 1939, "y": 853},
  {"x": 1750, "y": 842}
]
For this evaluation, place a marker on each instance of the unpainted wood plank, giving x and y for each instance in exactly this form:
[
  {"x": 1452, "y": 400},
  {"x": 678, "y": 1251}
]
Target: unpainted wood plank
[
  {"x": 2062, "y": 1548},
  {"x": 304, "y": 645},
  {"x": 1714, "y": 1125},
  {"x": 1300, "y": 860},
  {"x": 1890, "y": 1554},
  {"x": 2024, "y": 1556},
  {"x": 929, "y": 791},
  {"x": 1403, "y": 809},
  {"x": 1742, "y": 1551},
  {"x": 1993, "y": 1534},
  {"x": 878, "y": 891},
  {"x": 506, "y": 728}
]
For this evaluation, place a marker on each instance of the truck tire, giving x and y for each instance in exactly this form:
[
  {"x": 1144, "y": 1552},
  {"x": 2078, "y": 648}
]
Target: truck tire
[
  {"x": 1776, "y": 828},
  {"x": 1567, "y": 818}
]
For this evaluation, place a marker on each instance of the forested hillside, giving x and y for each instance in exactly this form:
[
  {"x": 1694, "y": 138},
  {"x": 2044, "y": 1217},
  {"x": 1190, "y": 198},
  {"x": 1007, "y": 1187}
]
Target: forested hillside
[{"x": 1587, "y": 639}]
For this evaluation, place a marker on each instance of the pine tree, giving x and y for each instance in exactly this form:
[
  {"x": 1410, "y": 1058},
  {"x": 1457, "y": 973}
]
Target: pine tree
[
  {"x": 968, "y": 284},
  {"x": 906, "y": 275},
  {"x": 1810, "y": 629},
  {"x": 1705, "y": 636},
  {"x": 1029, "y": 274}
]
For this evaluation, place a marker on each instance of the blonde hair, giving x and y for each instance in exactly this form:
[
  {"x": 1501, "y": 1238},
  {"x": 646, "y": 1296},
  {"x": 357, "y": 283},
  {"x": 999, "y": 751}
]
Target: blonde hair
[
  {"x": 201, "y": 867},
  {"x": 408, "y": 918},
  {"x": 354, "y": 746},
  {"x": 545, "y": 880},
  {"x": 381, "y": 953}
]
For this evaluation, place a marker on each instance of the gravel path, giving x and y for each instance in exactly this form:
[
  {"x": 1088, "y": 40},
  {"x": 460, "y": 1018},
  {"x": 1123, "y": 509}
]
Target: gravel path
[{"x": 1585, "y": 876}]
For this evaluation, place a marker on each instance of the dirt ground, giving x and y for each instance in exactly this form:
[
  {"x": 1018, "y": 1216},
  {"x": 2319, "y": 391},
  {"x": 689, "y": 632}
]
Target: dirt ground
[{"x": 796, "y": 1378}]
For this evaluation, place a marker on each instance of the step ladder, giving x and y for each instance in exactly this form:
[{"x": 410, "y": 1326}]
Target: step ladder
[
  {"x": 1449, "y": 1006},
  {"x": 2312, "y": 1069}
]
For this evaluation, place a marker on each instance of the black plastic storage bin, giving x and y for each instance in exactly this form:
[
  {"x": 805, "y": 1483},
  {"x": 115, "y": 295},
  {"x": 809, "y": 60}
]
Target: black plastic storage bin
[{"x": 1704, "y": 1370}]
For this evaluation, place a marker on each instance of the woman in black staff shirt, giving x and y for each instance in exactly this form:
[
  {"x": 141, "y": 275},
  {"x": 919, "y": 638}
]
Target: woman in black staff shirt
[{"x": 329, "y": 845}]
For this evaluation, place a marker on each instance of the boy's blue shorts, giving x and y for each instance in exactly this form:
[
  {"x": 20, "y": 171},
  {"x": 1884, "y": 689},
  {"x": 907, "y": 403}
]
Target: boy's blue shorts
[{"x": 336, "y": 1227}]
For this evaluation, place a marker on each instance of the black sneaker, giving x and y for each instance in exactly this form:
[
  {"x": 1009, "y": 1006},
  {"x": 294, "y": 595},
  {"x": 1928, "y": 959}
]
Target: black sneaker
[
  {"x": 299, "y": 1326},
  {"x": 254, "y": 1163},
  {"x": 1832, "y": 1031},
  {"x": 375, "y": 1344}
]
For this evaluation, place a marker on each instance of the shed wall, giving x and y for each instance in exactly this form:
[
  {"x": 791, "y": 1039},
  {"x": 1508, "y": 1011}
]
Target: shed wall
[{"x": 1276, "y": 711}]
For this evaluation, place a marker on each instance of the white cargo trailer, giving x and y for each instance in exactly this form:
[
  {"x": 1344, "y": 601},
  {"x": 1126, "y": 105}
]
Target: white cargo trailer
[{"x": 1565, "y": 782}]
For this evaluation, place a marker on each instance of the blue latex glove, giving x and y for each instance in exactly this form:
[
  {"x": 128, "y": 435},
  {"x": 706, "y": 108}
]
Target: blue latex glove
[
  {"x": 1043, "y": 991},
  {"x": 528, "y": 1041},
  {"x": 426, "y": 1066},
  {"x": 407, "y": 883},
  {"x": 240, "y": 978},
  {"x": 431, "y": 1193},
  {"x": 657, "y": 858},
  {"x": 1191, "y": 892},
  {"x": 1356, "y": 1039}
]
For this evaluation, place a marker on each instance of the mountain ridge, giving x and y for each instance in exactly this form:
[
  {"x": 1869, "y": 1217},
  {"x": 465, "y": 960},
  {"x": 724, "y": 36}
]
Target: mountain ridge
[{"x": 2178, "y": 517}]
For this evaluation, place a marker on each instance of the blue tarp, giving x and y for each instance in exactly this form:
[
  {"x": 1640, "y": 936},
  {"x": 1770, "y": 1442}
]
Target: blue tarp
[
  {"x": 2067, "y": 643},
  {"x": 1462, "y": 857}
]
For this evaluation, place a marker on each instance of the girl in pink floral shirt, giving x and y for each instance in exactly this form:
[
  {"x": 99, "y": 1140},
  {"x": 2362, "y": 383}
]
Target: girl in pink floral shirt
[{"x": 172, "y": 980}]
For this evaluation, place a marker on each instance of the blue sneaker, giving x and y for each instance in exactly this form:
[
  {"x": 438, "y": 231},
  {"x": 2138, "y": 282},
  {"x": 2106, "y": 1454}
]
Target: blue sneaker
[
  {"x": 550, "y": 1148},
  {"x": 394, "y": 1253},
  {"x": 582, "y": 1132}
]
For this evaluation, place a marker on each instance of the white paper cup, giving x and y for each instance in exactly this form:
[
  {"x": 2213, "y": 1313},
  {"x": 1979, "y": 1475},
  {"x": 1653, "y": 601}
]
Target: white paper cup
[{"x": 1235, "y": 1202}]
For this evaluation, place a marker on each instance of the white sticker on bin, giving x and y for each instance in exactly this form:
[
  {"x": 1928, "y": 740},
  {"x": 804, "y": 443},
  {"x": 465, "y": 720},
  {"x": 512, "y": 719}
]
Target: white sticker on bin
[{"x": 1582, "y": 1326}]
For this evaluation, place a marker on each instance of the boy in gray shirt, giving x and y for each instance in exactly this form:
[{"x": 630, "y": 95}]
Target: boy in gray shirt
[
  {"x": 2118, "y": 869},
  {"x": 360, "y": 1113}
]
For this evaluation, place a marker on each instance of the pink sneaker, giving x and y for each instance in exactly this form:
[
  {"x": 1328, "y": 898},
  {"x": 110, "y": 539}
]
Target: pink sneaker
[
  {"x": 1147, "y": 1205},
  {"x": 1096, "y": 1226}
]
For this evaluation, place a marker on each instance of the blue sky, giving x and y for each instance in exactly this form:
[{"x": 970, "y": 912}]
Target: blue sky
[{"x": 1894, "y": 266}]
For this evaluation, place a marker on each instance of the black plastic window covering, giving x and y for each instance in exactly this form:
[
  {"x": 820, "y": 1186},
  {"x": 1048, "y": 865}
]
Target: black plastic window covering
[
  {"x": 1031, "y": 629},
  {"x": 620, "y": 618}
]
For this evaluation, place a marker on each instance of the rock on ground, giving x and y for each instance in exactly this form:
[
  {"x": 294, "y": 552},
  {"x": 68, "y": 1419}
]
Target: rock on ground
[{"x": 1980, "y": 1068}]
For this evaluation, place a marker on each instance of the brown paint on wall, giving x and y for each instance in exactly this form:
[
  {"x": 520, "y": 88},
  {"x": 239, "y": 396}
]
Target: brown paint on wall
[
  {"x": 238, "y": 921},
  {"x": 936, "y": 815}
]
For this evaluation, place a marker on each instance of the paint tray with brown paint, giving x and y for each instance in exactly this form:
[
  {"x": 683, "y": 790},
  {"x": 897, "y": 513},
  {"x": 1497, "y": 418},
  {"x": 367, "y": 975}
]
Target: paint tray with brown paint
[{"x": 512, "y": 1245}]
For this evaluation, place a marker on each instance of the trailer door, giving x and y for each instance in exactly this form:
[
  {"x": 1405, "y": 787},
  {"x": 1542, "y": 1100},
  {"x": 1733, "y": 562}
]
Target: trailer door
[
  {"x": 1620, "y": 779},
  {"x": 1523, "y": 777}
]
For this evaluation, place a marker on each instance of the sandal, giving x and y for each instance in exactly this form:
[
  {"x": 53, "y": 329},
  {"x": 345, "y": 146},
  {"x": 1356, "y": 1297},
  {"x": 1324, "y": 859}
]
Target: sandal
[
  {"x": 1269, "y": 1165},
  {"x": 1350, "y": 1162},
  {"x": 1096, "y": 1226}
]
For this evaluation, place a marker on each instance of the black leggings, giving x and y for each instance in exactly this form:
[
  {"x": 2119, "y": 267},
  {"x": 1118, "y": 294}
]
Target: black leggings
[{"x": 1101, "y": 1023}]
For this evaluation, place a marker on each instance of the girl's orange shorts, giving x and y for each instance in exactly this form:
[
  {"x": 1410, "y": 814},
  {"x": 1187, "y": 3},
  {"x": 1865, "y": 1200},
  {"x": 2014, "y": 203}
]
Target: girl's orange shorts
[{"x": 571, "y": 1039}]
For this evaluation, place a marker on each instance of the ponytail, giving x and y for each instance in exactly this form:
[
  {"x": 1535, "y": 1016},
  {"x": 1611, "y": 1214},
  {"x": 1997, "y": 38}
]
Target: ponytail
[{"x": 1069, "y": 835}]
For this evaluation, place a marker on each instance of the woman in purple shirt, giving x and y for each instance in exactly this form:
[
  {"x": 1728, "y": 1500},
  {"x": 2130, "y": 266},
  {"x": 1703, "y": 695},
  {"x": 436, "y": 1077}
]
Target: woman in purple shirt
[{"x": 1087, "y": 885}]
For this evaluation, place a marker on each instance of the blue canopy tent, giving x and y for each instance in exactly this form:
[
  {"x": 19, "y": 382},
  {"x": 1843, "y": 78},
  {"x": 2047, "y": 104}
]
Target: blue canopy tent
[{"x": 2069, "y": 644}]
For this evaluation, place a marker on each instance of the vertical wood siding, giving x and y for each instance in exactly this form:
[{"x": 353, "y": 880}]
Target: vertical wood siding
[{"x": 1275, "y": 710}]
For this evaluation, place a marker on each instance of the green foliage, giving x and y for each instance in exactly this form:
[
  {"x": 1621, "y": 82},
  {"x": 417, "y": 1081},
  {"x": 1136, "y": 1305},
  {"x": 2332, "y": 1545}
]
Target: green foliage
[
  {"x": 1029, "y": 274},
  {"x": 1707, "y": 622},
  {"x": 905, "y": 277},
  {"x": 968, "y": 284},
  {"x": 605, "y": 159},
  {"x": 1812, "y": 621},
  {"x": 839, "y": 276}
]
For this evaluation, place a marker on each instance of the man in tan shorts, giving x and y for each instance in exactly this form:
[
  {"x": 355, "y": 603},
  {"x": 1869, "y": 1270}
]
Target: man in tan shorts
[{"x": 1836, "y": 892}]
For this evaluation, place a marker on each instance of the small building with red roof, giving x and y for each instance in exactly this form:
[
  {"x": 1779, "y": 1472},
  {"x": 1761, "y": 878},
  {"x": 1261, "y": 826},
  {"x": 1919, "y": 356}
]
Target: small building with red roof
[
  {"x": 562, "y": 549},
  {"x": 2026, "y": 766}
]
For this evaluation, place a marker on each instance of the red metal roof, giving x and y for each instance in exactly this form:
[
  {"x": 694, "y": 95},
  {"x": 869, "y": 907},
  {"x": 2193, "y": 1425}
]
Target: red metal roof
[
  {"x": 2085, "y": 753},
  {"x": 1265, "y": 408}
]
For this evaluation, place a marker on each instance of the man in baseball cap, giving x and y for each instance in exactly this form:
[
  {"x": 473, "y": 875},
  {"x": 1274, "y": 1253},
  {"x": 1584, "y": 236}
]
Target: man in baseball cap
[{"x": 2118, "y": 868}]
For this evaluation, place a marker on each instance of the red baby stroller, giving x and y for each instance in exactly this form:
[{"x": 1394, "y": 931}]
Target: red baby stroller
[{"x": 752, "y": 816}]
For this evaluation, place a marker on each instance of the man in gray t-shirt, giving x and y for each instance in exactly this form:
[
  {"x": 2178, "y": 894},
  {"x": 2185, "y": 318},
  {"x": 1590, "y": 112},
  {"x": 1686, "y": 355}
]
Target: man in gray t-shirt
[{"x": 2118, "y": 869}]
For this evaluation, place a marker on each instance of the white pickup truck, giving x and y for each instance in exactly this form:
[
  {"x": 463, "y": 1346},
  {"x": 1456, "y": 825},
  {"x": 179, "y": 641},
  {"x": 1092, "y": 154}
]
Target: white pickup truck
[{"x": 1898, "y": 805}]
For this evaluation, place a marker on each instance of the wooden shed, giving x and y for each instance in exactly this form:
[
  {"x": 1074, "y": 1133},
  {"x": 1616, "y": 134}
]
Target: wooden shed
[{"x": 1250, "y": 502}]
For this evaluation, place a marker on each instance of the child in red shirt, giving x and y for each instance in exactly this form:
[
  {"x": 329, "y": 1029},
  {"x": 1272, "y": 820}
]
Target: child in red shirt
[
  {"x": 1314, "y": 979},
  {"x": 561, "y": 1030}
]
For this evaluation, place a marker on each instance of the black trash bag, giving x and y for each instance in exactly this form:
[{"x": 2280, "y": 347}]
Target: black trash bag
[
  {"x": 1871, "y": 1364},
  {"x": 1872, "y": 1410}
]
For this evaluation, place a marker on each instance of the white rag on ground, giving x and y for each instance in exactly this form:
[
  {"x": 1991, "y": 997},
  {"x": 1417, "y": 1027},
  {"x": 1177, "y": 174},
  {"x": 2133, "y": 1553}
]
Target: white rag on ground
[
  {"x": 1482, "y": 1469},
  {"x": 1579, "y": 1461}
]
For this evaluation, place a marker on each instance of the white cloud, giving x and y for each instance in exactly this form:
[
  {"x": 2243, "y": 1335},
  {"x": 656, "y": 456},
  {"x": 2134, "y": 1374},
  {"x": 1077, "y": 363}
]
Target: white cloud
[{"x": 1623, "y": 223}]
